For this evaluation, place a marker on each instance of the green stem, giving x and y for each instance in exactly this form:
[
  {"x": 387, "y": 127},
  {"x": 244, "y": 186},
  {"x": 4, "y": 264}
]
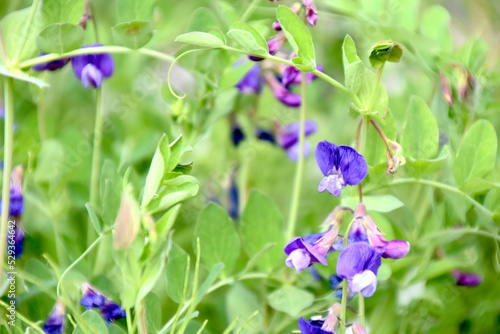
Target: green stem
[
  {"x": 377, "y": 85},
  {"x": 294, "y": 208},
  {"x": 249, "y": 11},
  {"x": 343, "y": 315},
  {"x": 339, "y": 86},
  {"x": 440, "y": 186},
  {"x": 78, "y": 260},
  {"x": 96, "y": 162},
  {"x": 19, "y": 50},
  {"x": 7, "y": 166},
  {"x": 361, "y": 310},
  {"x": 129, "y": 320},
  {"x": 24, "y": 319},
  {"x": 94, "y": 50}
]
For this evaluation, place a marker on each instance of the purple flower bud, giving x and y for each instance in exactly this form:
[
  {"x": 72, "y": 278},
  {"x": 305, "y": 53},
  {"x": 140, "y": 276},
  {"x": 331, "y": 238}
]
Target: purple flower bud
[
  {"x": 277, "y": 25},
  {"x": 359, "y": 264},
  {"x": 467, "y": 279},
  {"x": 396, "y": 249},
  {"x": 55, "y": 321},
  {"x": 274, "y": 44},
  {"x": 111, "y": 312},
  {"x": 91, "y": 69},
  {"x": 282, "y": 94},
  {"x": 358, "y": 329},
  {"x": 289, "y": 138},
  {"x": 341, "y": 166},
  {"x": 446, "y": 90},
  {"x": 289, "y": 75},
  {"x": 16, "y": 204},
  {"x": 302, "y": 255},
  {"x": 311, "y": 12},
  {"x": 265, "y": 135},
  {"x": 252, "y": 82},
  {"x": 51, "y": 65},
  {"x": 312, "y": 327}
]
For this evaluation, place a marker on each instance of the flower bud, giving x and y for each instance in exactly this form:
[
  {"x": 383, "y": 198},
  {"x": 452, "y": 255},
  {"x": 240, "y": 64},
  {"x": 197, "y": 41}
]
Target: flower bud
[
  {"x": 358, "y": 329},
  {"x": 127, "y": 221},
  {"x": 332, "y": 319},
  {"x": 465, "y": 84},
  {"x": 446, "y": 90},
  {"x": 397, "y": 159},
  {"x": 467, "y": 279}
]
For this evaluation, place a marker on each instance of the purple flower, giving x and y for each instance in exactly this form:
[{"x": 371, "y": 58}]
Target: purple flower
[
  {"x": 312, "y": 327},
  {"x": 311, "y": 14},
  {"x": 394, "y": 249},
  {"x": 265, "y": 135},
  {"x": 467, "y": 279},
  {"x": 91, "y": 69},
  {"x": 94, "y": 298},
  {"x": 288, "y": 138},
  {"x": 302, "y": 254},
  {"x": 55, "y": 321},
  {"x": 291, "y": 75},
  {"x": 16, "y": 205},
  {"x": 341, "y": 165},
  {"x": 282, "y": 94},
  {"x": 359, "y": 264},
  {"x": 51, "y": 65},
  {"x": 252, "y": 82}
]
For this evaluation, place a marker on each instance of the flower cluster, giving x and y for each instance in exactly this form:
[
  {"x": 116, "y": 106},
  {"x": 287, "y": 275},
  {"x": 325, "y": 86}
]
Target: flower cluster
[
  {"x": 93, "y": 298},
  {"x": 90, "y": 69},
  {"x": 16, "y": 208},
  {"x": 55, "y": 321}
]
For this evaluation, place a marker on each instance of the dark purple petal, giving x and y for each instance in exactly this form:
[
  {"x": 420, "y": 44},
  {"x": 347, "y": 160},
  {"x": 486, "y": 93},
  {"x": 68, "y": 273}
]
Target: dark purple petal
[
  {"x": 111, "y": 312},
  {"x": 396, "y": 249},
  {"x": 104, "y": 62},
  {"x": 233, "y": 201},
  {"x": 290, "y": 136},
  {"x": 312, "y": 17},
  {"x": 326, "y": 156},
  {"x": 91, "y": 76},
  {"x": 277, "y": 25},
  {"x": 92, "y": 299},
  {"x": 237, "y": 135},
  {"x": 252, "y": 82},
  {"x": 51, "y": 65},
  {"x": 335, "y": 282},
  {"x": 289, "y": 75},
  {"x": 78, "y": 63},
  {"x": 467, "y": 279},
  {"x": 16, "y": 205},
  {"x": 358, "y": 232},
  {"x": 352, "y": 165},
  {"x": 357, "y": 258},
  {"x": 288, "y": 98},
  {"x": 55, "y": 321}
]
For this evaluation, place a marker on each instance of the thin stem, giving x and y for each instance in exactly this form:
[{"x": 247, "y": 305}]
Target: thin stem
[
  {"x": 78, "y": 260},
  {"x": 440, "y": 186},
  {"x": 94, "y": 50},
  {"x": 7, "y": 165},
  {"x": 23, "y": 318},
  {"x": 294, "y": 208},
  {"x": 195, "y": 288},
  {"x": 129, "y": 320},
  {"x": 19, "y": 50},
  {"x": 343, "y": 316},
  {"x": 96, "y": 162},
  {"x": 249, "y": 11},
  {"x": 361, "y": 306},
  {"x": 377, "y": 84},
  {"x": 358, "y": 134},
  {"x": 382, "y": 135},
  {"x": 338, "y": 85}
]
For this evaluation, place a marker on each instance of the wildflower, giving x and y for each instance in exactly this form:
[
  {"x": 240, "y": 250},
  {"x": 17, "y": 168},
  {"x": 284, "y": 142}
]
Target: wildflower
[
  {"x": 465, "y": 85},
  {"x": 53, "y": 65},
  {"x": 16, "y": 205},
  {"x": 311, "y": 12},
  {"x": 304, "y": 252},
  {"x": 291, "y": 75},
  {"x": 394, "y": 249},
  {"x": 341, "y": 165},
  {"x": 282, "y": 94},
  {"x": 396, "y": 159},
  {"x": 94, "y": 298},
  {"x": 467, "y": 279},
  {"x": 446, "y": 90},
  {"x": 289, "y": 138},
  {"x": 55, "y": 321},
  {"x": 312, "y": 327},
  {"x": 91, "y": 69},
  {"x": 252, "y": 82},
  {"x": 359, "y": 264},
  {"x": 358, "y": 329}
]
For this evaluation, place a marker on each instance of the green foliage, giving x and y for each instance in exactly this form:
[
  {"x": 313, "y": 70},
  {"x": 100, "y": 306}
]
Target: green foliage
[
  {"x": 249, "y": 38},
  {"x": 134, "y": 34},
  {"x": 385, "y": 51},
  {"x": 175, "y": 272},
  {"x": 60, "y": 38},
  {"x": 200, "y": 39},
  {"x": 290, "y": 299}
]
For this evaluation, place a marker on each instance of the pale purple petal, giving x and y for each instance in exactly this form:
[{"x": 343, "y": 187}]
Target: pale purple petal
[
  {"x": 396, "y": 249},
  {"x": 366, "y": 283},
  {"x": 252, "y": 82},
  {"x": 288, "y": 98},
  {"x": 326, "y": 156},
  {"x": 293, "y": 152},
  {"x": 298, "y": 259},
  {"x": 91, "y": 76},
  {"x": 352, "y": 165},
  {"x": 300, "y": 244}
]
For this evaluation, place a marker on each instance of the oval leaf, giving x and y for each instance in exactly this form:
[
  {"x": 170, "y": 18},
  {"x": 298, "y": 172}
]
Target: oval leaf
[
  {"x": 201, "y": 39},
  {"x": 134, "y": 34},
  {"x": 249, "y": 38},
  {"x": 60, "y": 38}
]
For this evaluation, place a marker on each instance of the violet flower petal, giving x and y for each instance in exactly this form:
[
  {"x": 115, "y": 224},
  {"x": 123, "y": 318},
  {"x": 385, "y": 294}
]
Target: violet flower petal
[
  {"x": 352, "y": 165},
  {"x": 396, "y": 249},
  {"x": 365, "y": 283}
]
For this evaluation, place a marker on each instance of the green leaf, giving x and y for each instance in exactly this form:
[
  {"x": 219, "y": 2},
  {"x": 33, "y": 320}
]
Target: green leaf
[
  {"x": 242, "y": 303},
  {"x": 176, "y": 272},
  {"x": 380, "y": 203},
  {"x": 349, "y": 53},
  {"x": 201, "y": 39},
  {"x": 131, "y": 10},
  {"x": 219, "y": 240},
  {"x": 385, "y": 51},
  {"x": 174, "y": 191},
  {"x": 92, "y": 323},
  {"x": 435, "y": 24},
  {"x": 477, "y": 153},
  {"x": 434, "y": 269},
  {"x": 203, "y": 19},
  {"x": 290, "y": 299},
  {"x": 60, "y": 38},
  {"x": 232, "y": 75},
  {"x": 419, "y": 168},
  {"x": 299, "y": 38},
  {"x": 152, "y": 272},
  {"x": 420, "y": 135},
  {"x": 134, "y": 34},
  {"x": 478, "y": 185},
  {"x": 261, "y": 224},
  {"x": 249, "y": 38},
  {"x": 20, "y": 75},
  {"x": 14, "y": 31},
  {"x": 62, "y": 11},
  {"x": 207, "y": 283},
  {"x": 93, "y": 218},
  {"x": 153, "y": 312}
]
